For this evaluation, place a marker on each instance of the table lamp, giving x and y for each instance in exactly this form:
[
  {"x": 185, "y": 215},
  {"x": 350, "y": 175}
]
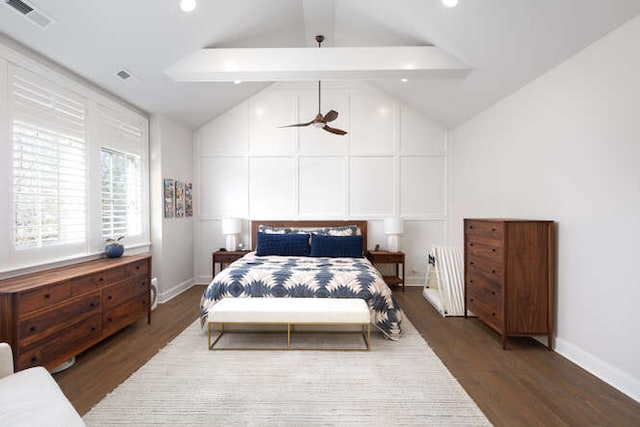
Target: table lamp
[
  {"x": 393, "y": 227},
  {"x": 230, "y": 228}
]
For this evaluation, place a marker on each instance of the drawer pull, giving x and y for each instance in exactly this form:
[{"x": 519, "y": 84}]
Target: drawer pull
[
  {"x": 32, "y": 329},
  {"x": 93, "y": 328},
  {"x": 110, "y": 319},
  {"x": 493, "y": 292},
  {"x": 493, "y": 314},
  {"x": 144, "y": 302},
  {"x": 47, "y": 296},
  {"x": 493, "y": 229},
  {"x": 493, "y": 271},
  {"x": 472, "y": 263},
  {"x": 137, "y": 267},
  {"x": 34, "y": 359},
  {"x": 470, "y": 244},
  {"x": 101, "y": 279},
  {"x": 470, "y": 280},
  {"x": 493, "y": 250},
  {"x": 93, "y": 304},
  {"x": 470, "y": 299},
  {"x": 110, "y": 297},
  {"x": 471, "y": 226}
]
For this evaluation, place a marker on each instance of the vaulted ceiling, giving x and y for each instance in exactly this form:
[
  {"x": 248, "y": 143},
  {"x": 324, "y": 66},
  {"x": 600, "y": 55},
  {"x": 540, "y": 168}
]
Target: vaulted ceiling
[{"x": 507, "y": 43}]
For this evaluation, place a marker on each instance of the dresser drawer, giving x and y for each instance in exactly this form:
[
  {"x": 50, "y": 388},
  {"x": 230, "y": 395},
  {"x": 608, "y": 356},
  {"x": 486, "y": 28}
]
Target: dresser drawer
[
  {"x": 489, "y": 269},
  {"x": 139, "y": 268},
  {"x": 484, "y": 290},
  {"x": 489, "y": 314},
  {"x": 124, "y": 314},
  {"x": 43, "y": 297},
  {"x": 48, "y": 350},
  {"x": 117, "y": 294},
  {"x": 485, "y": 230},
  {"x": 42, "y": 325},
  {"x": 479, "y": 251},
  {"x": 97, "y": 280},
  {"x": 474, "y": 279}
]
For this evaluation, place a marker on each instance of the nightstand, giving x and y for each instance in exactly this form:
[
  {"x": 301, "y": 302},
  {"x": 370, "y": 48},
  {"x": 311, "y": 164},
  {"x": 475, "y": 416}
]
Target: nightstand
[
  {"x": 224, "y": 258},
  {"x": 386, "y": 257}
]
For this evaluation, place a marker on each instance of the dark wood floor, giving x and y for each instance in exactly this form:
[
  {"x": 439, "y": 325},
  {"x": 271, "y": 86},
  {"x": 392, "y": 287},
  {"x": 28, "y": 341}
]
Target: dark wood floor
[{"x": 525, "y": 385}]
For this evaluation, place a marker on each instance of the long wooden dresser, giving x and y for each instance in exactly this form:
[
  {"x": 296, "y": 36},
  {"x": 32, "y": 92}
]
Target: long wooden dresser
[
  {"x": 50, "y": 316},
  {"x": 509, "y": 275}
]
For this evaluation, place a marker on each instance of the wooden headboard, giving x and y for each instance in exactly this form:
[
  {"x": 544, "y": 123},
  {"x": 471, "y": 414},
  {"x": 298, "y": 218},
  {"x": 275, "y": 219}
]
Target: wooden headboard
[{"x": 308, "y": 224}]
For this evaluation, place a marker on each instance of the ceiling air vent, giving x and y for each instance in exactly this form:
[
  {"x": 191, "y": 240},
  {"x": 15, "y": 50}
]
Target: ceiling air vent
[
  {"x": 123, "y": 74},
  {"x": 127, "y": 77},
  {"x": 31, "y": 13}
]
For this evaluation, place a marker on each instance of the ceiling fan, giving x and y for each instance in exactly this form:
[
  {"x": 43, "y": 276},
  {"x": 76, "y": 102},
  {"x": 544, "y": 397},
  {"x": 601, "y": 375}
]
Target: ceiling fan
[{"x": 320, "y": 120}]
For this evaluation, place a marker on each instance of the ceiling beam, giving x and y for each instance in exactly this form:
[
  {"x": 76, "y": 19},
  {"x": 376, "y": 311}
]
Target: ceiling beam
[{"x": 308, "y": 64}]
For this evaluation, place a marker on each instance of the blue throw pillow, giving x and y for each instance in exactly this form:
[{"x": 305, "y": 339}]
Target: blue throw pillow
[
  {"x": 336, "y": 246},
  {"x": 282, "y": 244}
]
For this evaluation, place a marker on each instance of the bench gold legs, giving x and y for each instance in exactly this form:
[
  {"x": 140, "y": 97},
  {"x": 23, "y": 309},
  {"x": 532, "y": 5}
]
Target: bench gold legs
[{"x": 366, "y": 335}]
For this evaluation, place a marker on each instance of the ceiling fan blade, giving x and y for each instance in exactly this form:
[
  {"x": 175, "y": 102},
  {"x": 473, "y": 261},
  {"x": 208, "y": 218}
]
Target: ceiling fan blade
[
  {"x": 297, "y": 125},
  {"x": 330, "y": 116},
  {"x": 334, "y": 130}
]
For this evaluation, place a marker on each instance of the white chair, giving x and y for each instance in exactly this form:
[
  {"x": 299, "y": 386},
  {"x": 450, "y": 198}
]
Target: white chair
[{"x": 32, "y": 397}]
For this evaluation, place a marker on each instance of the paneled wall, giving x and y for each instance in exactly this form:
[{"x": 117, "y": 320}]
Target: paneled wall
[{"x": 392, "y": 162}]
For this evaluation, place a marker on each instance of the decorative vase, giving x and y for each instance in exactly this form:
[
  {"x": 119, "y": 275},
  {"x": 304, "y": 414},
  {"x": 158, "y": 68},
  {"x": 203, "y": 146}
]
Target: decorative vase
[{"x": 114, "y": 251}]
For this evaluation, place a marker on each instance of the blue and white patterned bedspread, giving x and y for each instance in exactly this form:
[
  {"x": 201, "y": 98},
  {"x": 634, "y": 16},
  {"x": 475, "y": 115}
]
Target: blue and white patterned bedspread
[{"x": 307, "y": 277}]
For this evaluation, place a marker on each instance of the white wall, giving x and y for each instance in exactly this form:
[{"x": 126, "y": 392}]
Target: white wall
[
  {"x": 171, "y": 153},
  {"x": 567, "y": 147},
  {"x": 390, "y": 163}
]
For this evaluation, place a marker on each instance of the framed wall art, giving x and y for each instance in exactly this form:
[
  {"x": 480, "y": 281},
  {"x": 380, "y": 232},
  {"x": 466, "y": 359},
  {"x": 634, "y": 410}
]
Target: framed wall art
[{"x": 169, "y": 198}]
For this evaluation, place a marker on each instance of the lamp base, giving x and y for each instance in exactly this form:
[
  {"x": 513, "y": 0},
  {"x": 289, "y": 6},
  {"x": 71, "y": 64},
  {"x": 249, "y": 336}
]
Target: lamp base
[
  {"x": 231, "y": 242},
  {"x": 392, "y": 243}
]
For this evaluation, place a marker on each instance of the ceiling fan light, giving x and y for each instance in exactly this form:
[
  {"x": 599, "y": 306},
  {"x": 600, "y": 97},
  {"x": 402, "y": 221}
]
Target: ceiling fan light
[
  {"x": 450, "y": 3},
  {"x": 319, "y": 124},
  {"x": 187, "y": 5}
]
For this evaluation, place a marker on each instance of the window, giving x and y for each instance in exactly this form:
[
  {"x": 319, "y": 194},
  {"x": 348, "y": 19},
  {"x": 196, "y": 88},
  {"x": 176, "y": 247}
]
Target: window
[
  {"x": 122, "y": 145},
  {"x": 75, "y": 168},
  {"x": 49, "y": 163},
  {"x": 121, "y": 194}
]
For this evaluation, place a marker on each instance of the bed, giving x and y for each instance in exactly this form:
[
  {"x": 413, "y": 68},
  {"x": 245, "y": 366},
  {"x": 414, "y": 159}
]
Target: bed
[{"x": 324, "y": 272}]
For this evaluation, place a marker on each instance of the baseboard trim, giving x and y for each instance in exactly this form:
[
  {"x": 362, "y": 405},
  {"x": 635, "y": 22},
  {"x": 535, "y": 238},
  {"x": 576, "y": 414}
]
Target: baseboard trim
[
  {"x": 202, "y": 280},
  {"x": 604, "y": 371},
  {"x": 176, "y": 290}
]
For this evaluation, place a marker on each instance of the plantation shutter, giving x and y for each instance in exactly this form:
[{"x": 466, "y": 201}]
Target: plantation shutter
[
  {"x": 49, "y": 193},
  {"x": 122, "y": 183}
]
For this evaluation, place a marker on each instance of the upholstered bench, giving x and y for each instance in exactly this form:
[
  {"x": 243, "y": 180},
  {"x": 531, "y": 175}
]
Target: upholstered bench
[
  {"x": 32, "y": 397},
  {"x": 289, "y": 312}
]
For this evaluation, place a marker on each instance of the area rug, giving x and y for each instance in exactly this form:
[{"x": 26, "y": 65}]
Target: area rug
[{"x": 396, "y": 383}]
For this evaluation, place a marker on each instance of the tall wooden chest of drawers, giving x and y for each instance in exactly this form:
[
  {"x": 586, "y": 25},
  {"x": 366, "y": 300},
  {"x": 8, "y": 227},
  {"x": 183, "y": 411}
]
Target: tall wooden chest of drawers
[
  {"x": 509, "y": 275},
  {"x": 50, "y": 316}
]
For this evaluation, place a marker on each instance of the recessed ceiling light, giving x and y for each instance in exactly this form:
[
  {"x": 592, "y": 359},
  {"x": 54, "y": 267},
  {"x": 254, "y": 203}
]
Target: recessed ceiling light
[
  {"x": 404, "y": 80},
  {"x": 188, "y": 5},
  {"x": 237, "y": 82},
  {"x": 450, "y": 3}
]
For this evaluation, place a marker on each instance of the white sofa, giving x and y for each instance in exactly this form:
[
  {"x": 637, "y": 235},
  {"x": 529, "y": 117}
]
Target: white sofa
[{"x": 32, "y": 397}]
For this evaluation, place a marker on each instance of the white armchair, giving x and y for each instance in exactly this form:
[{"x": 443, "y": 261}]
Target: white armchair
[
  {"x": 32, "y": 397},
  {"x": 6, "y": 360}
]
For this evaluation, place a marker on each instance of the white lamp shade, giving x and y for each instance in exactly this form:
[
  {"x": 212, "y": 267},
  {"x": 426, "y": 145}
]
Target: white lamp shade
[
  {"x": 393, "y": 225},
  {"x": 231, "y": 226}
]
